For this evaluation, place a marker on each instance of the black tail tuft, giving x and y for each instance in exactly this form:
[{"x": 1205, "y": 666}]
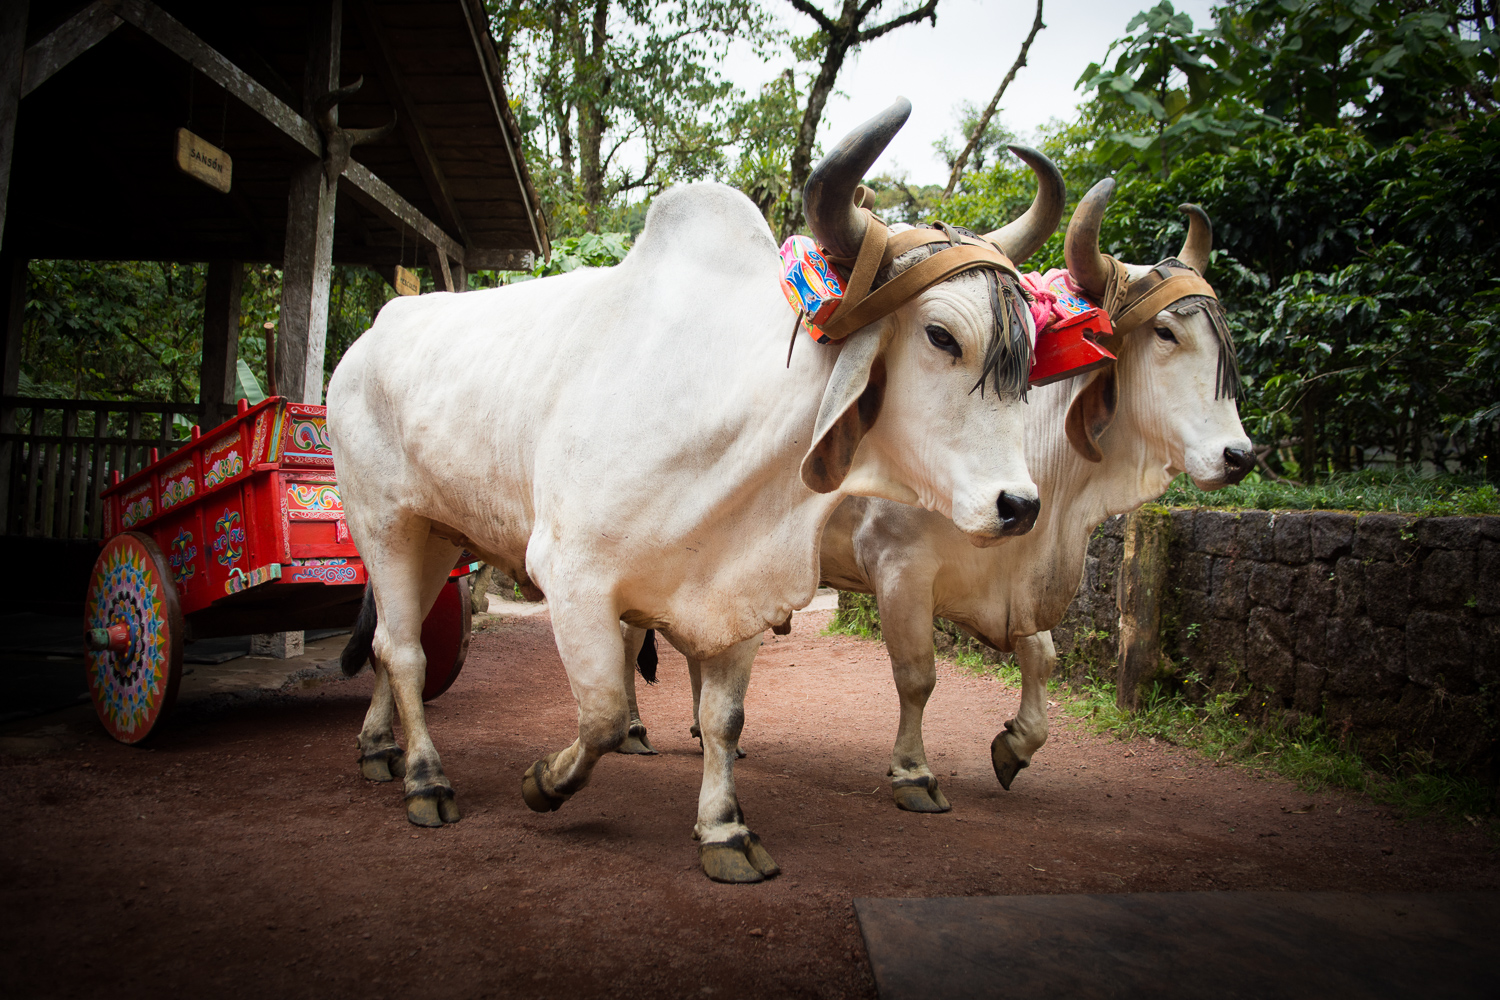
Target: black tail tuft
[
  {"x": 645, "y": 660},
  {"x": 357, "y": 653}
]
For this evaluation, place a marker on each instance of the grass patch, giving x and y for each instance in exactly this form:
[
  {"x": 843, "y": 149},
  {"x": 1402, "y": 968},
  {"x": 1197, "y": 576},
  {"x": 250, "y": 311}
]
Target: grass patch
[
  {"x": 856, "y": 615},
  {"x": 1302, "y": 750},
  {"x": 1404, "y": 492}
]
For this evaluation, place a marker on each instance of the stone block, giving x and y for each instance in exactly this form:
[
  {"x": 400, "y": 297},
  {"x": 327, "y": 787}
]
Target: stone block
[
  {"x": 1113, "y": 527},
  {"x": 1193, "y": 571},
  {"x": 1331, "y": 534},
  {"x": 1386, "y": 593},
  {"x": 1489, "y": 527},
  {"x": 1349, "y": 588},
  {"x": 1447, "y": 578},
  {"x": 1271, "y": 585},
  {"x": 1216, "y": 532},
  {"x": 1310, "y": 638},
  {"x": 1291, "y": 535},
  {"x": 1350, "y": 655},
  {"x": 1223, "y": 646},
  {"x": 1230, "y": 591},
  {"x": 1440, "y": 651},
  {"x": 1268, "y": 652},
  {"x": 1310, "y": 679},
  {"x": 1253, "y": 535},
  {"x": 1487, "y": 579},
  {"x": 1388, "y": 651},
  {"x": 281, "y": 645},
  {"x": 1379, "y": 536},
  {"x": 1315, "y": 589},
  {"x": 1449, "y": 532},
  {"x": 1183, "y": 519}
]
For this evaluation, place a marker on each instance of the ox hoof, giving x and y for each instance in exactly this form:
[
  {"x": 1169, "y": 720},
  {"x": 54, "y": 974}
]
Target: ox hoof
[
  {"x": 636, "y": 741},
  {"x": 1007, "y": 763},
  {"x": 531, "y": 790},
  {"x": 740, "y": 859},
  {"x": 431, "y": 806},
  {"x": 919, "y": 795},
  {"x": 385, "y": 764}
]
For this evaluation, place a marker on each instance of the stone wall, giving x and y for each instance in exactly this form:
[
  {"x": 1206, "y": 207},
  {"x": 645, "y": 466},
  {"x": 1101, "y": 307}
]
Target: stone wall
[{"x": 1385, "y": 624}]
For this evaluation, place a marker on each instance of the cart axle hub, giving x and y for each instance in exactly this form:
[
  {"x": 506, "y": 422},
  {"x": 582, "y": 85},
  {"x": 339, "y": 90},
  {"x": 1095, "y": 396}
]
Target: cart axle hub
[{"x": 115, "y": 639}]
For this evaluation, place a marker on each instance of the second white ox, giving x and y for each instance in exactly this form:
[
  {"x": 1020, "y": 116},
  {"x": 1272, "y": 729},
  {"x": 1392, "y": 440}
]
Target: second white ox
[
  {"x": 1097, "y": 445},
  {"x": 695, "y": 507}
]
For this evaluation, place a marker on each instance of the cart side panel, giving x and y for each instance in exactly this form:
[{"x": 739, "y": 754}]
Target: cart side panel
[
  {"x": 181, "y": 538},
  {"x": 305, "y": 437},
  {"x": 314, "y": 514},
  {"x": 225, "y": 528}
]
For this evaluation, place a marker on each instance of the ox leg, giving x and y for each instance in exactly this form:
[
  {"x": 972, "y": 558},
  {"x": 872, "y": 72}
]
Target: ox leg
[
  {"x": 407, "y": 579},
  {"x": 906, "y": 626},
  {"x": 380, "y": 758},
  {"x": 727, "y": 849},
  {"x": 635, "y": 736},
  {"x": 1024, "y": 735},
  {"x": 592, "y": 650},
  {"x": 695, "y": 675}
]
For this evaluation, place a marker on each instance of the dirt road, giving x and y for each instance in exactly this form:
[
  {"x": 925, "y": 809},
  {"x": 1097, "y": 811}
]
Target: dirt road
[{"x": 243, "y": 856}]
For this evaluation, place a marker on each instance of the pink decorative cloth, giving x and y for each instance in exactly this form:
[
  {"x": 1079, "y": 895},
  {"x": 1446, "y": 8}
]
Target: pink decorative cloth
[{"x": 1055, "y": 298}]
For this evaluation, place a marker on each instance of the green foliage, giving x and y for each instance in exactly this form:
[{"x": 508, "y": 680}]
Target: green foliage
[
  {"x": 1298, "y": 747},
  {"x": 587, "y": 250},
  {"x": 857, "y": 615},
  {"x": 1400, "y": 490}
]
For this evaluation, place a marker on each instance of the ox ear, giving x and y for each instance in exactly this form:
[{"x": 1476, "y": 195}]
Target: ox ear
[
  {"x": 1091, "y": 413},
  {"x": 851, "y": 402}
]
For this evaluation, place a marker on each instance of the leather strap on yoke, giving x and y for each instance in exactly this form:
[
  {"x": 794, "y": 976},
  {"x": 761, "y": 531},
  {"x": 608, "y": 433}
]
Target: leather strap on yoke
[{"x": 879, "y": 249}]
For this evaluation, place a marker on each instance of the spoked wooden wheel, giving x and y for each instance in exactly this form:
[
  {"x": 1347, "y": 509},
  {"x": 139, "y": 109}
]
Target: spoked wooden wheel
[
  {"x": 445, "y": 637},
  {"x": 133, "y": 633}
]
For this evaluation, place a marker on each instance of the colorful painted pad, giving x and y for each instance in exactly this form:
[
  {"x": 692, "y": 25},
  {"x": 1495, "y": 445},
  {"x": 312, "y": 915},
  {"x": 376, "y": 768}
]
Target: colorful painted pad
[
  {"x": 132, "y": 587},
  {"x": 810, "y": 283}
]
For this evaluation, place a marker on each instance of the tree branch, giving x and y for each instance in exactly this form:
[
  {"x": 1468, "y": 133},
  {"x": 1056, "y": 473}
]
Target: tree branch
[
  {"x": 927, "y": 10},
  {"x": 989, "y": 112},
  {"x": 814, "y": 13}
]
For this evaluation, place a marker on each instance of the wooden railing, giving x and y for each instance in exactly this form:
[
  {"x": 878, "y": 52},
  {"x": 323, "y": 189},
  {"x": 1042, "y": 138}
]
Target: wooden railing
[{"x": 57, "y": 454}]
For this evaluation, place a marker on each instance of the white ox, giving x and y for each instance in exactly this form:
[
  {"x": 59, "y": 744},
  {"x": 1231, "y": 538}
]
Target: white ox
[
  {"x": 695, "y": 507},
  {"x": 1097, "y": 445}
]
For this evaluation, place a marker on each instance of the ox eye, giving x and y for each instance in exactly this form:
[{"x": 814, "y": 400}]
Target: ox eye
[
  {"x": 1164, "y": 334},
  {"x": 943, "y": 341}
]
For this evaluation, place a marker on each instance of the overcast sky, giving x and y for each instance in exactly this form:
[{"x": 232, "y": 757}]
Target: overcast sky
[{"x": 963, "y": 58}]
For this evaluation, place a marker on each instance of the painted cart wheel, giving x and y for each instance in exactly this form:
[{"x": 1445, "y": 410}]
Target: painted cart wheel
[
  {"x": 445, "y": 637},
  {"x": 133, "y": 634}
]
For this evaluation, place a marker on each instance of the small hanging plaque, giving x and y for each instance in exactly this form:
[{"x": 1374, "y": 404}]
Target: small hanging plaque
[
  {"x": 407, "y": 282},
  {"x": 201, "y": 159}
]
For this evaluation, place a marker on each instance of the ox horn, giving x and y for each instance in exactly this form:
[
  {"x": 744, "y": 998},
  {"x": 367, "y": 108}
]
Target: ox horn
[
  {"x": 1200, "y": 238},
  {"x": 1081, "y": 246},
  {"x": 828, "y": 199},
  {"x": 339, "y": 141},
  {"x": 1026, "y": 235}
]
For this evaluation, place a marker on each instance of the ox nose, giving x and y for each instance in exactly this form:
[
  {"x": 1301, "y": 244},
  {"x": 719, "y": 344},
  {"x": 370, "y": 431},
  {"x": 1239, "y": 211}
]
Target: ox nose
[
  {"x": 1237, "y": 464},
  {"x": 1017, "y": 513}
]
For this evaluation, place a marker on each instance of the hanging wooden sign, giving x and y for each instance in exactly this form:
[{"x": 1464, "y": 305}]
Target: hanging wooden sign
[
  {"x": 202, "y": 160},
  {"x": 407, "y": 282}
]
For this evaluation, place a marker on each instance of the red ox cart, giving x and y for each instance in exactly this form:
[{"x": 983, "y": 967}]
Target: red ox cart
[{"x": 241, "y": 530}]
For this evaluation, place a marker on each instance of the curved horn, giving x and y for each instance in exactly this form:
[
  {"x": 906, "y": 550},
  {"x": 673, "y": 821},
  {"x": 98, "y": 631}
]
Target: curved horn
[
  {"x": 1200, "y": 238},
  {"x": 829, "y": 197},
  {"x": 323, "y": 106},
  {"x": 359, "y": 136},
  {"x": 1026, "y": 235},
  {"x": 1081, "y": 245}
]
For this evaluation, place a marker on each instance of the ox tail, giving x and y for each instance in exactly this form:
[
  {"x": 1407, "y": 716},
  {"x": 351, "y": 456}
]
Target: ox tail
[
  {"x": 645, "y": 660},
  {"x": 357, "y": 653}
]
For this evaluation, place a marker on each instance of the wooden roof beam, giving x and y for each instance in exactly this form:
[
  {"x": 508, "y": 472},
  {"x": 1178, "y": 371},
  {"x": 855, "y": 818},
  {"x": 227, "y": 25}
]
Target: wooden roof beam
[
  {"x": 67, "y": 42},
  {"x": 407, "y": 119},
  {"x": 364, "y": 186}
]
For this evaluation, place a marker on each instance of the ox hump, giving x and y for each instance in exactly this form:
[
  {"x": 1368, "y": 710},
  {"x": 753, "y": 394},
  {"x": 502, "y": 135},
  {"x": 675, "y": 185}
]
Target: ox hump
[{"x": 705, "y": 225}]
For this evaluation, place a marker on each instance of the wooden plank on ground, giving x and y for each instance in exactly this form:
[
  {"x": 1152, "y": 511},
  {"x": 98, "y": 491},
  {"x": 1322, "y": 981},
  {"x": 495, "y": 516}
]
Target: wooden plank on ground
[{"x": 1185, "y": 945}]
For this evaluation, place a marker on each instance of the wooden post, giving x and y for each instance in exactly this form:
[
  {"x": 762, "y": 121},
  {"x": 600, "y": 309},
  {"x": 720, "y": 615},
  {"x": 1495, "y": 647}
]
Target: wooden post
[
  {"x": 12, "y": 57},
  {"x": 307, "y": 267},
  {"x": 1142, "y": 582},
  {"x": 13, "y": 278},
  {"x": 442, "y": 274},
  {"x": 221, "y": 341}
]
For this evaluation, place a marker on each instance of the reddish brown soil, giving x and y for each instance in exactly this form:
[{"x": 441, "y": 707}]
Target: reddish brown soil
[{"x": 243, "y": 855}]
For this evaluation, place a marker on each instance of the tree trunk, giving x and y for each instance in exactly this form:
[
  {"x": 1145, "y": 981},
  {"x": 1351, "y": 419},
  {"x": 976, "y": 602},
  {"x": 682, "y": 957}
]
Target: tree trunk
[
  {"x": 1143, "y": 577},
  {"x": 1309, "y": 457},
  {"x": 807, "y": 134},
  {"x": 591, "y": 123}
]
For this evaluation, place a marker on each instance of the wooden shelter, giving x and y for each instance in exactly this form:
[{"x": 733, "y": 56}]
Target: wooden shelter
[{"x": 92, "y": 96}]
